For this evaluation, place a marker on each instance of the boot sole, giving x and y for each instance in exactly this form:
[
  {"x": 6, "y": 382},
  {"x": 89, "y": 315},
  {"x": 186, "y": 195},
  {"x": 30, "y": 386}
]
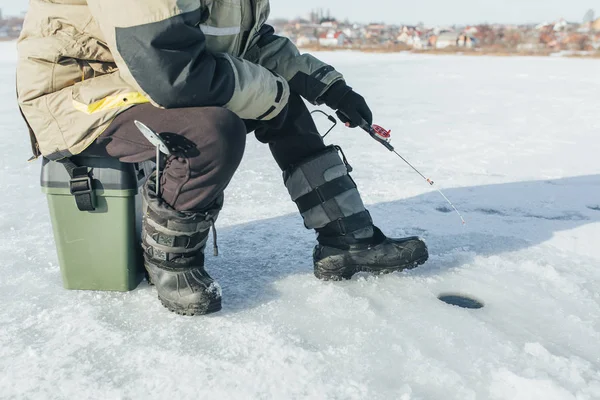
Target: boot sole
[
  {"x": 191, "y": 310},
  {"x": 346, "y": 273}
]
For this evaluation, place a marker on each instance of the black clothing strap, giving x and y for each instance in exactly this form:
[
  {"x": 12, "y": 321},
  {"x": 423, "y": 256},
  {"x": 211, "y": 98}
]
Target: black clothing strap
[
  {"x": 327, "y": 191},
  {"x": 347, "y": 225}
]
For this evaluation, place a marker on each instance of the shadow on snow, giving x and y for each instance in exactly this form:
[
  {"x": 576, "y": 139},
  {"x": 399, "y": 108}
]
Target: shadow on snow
[{"x": 500, "y": 218}]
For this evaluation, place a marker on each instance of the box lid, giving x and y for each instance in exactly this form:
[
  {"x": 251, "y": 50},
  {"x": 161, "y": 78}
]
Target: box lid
[{"x": 107, "y": 173}]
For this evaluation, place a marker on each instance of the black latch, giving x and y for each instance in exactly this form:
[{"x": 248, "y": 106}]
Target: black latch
[
  {"x": 82, "y": 188},
  {"x": 81, "y": 185}
]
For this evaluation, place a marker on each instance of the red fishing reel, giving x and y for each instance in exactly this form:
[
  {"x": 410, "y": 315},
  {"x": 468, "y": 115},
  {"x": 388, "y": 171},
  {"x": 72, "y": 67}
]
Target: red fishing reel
[{"x": 382, "y": 133}]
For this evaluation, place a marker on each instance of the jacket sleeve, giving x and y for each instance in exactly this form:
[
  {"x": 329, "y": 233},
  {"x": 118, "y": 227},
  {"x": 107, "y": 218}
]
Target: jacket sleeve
[
  {"x": 161, "y": 51},
  {"x": 306, "y": 75}
]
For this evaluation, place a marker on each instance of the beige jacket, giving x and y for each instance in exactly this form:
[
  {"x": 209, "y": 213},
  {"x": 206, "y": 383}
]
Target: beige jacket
[{"x": 81, "y": 63}]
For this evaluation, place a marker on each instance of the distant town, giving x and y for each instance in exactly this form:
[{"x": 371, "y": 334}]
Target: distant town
[
  {"x": 10, "y": 27},
  {"x": 321, "y": 30}
]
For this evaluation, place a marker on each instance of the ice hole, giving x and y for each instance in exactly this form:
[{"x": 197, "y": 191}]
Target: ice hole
[{"x": 461, "y": 300}]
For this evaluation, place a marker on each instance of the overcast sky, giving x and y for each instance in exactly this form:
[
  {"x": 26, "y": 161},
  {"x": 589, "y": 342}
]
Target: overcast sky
[{"x": 413, "y": 11}]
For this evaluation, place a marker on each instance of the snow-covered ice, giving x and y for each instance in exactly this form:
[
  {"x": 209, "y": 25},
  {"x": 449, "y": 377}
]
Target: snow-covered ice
[{"x": 515, "y": 143}]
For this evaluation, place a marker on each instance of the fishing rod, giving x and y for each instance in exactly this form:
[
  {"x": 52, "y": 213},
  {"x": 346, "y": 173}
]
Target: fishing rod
[{"x": 384, "y": 137}]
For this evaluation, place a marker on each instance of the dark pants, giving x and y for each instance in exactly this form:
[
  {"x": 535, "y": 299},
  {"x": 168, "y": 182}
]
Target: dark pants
[{"x": 208, "y": 145}]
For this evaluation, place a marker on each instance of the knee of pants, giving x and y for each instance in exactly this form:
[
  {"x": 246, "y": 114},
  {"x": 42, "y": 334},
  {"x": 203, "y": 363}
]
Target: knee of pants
[
  {"x": 230, "y": 137},
  {"x": 221, "y": 140}
]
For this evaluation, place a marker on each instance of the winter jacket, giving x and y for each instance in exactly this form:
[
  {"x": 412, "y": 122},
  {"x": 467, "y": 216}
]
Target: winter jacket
[{"x": 81, "y": 63}]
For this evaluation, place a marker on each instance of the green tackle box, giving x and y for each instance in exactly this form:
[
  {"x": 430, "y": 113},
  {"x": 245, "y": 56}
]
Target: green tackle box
[{"x": 99, "y": 249}]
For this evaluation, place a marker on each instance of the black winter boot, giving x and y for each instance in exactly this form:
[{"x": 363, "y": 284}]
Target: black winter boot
[
  {"x": 329, "y": 202},
  {"x": 174, "y": 243},
  {"x": 338, "y": 258}
]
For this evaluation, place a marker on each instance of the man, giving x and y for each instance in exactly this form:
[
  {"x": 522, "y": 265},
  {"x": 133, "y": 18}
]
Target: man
[{"x": 204, "y": 73}]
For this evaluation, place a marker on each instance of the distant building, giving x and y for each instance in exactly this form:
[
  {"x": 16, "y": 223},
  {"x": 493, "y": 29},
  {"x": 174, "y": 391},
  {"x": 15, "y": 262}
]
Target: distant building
[
  {"x": 576, "y": 42},
  {"x": 446, "y": 39},
  {"x": 465, "y": 40},
  {"x": 377, "y": 27},
  {"x": 561, "y": 25},
  {"x": 332, "y": 39},
  {"x": 350, "y": 33},
  {"x": 411, "y": 39},
  {"x": 542, "y": 26},
  {"x": 306, "y": 40},
  {"x": 417, "y": 43},
  {"x": 471, "y": 30},
  {"x": 404, "y": 37},
  {"x": 596, "y": 25},
  {"x": 329, "y": 23},
  {"x": 595, "y": 41}
]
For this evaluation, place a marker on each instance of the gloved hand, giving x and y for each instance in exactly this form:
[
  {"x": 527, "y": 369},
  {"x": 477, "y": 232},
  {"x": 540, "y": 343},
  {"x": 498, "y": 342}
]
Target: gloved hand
[{"x": 352, "y": 109}]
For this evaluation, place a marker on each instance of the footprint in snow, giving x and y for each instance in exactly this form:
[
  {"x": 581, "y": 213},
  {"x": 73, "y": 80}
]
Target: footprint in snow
[
  {"x": 564, "y": 217},
  {"x": 491, "y": 211}
]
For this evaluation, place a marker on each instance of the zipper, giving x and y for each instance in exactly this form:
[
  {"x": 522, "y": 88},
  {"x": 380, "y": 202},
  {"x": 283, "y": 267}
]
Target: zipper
[{"x": 246, "y": 35}]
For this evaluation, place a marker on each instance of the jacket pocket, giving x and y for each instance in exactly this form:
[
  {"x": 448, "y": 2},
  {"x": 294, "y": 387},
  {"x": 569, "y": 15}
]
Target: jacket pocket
[{"x": 104, "y": 93}]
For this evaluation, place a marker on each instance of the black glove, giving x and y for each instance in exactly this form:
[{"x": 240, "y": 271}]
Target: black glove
[{"x": 352, "y": 109}]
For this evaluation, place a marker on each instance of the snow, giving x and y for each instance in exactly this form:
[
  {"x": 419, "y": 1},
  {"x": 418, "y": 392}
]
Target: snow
[{"x": 512, "y": 141}]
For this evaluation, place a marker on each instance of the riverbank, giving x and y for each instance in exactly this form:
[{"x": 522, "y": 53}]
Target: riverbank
[{"x": 460, "y": 51}]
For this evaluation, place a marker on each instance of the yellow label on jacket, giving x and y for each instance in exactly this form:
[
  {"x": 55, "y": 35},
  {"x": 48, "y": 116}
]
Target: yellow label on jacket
[{"x": 110, "y": 102}]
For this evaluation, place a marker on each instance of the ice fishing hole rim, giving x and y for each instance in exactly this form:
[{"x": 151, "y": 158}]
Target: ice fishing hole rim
[{"x": 461, "y": 300}]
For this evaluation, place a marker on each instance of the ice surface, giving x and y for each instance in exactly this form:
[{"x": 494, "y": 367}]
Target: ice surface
[{"x": 515, "y": 144}]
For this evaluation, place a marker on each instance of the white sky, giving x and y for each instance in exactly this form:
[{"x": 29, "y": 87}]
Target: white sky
[{"x": 428, "y": 11}]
